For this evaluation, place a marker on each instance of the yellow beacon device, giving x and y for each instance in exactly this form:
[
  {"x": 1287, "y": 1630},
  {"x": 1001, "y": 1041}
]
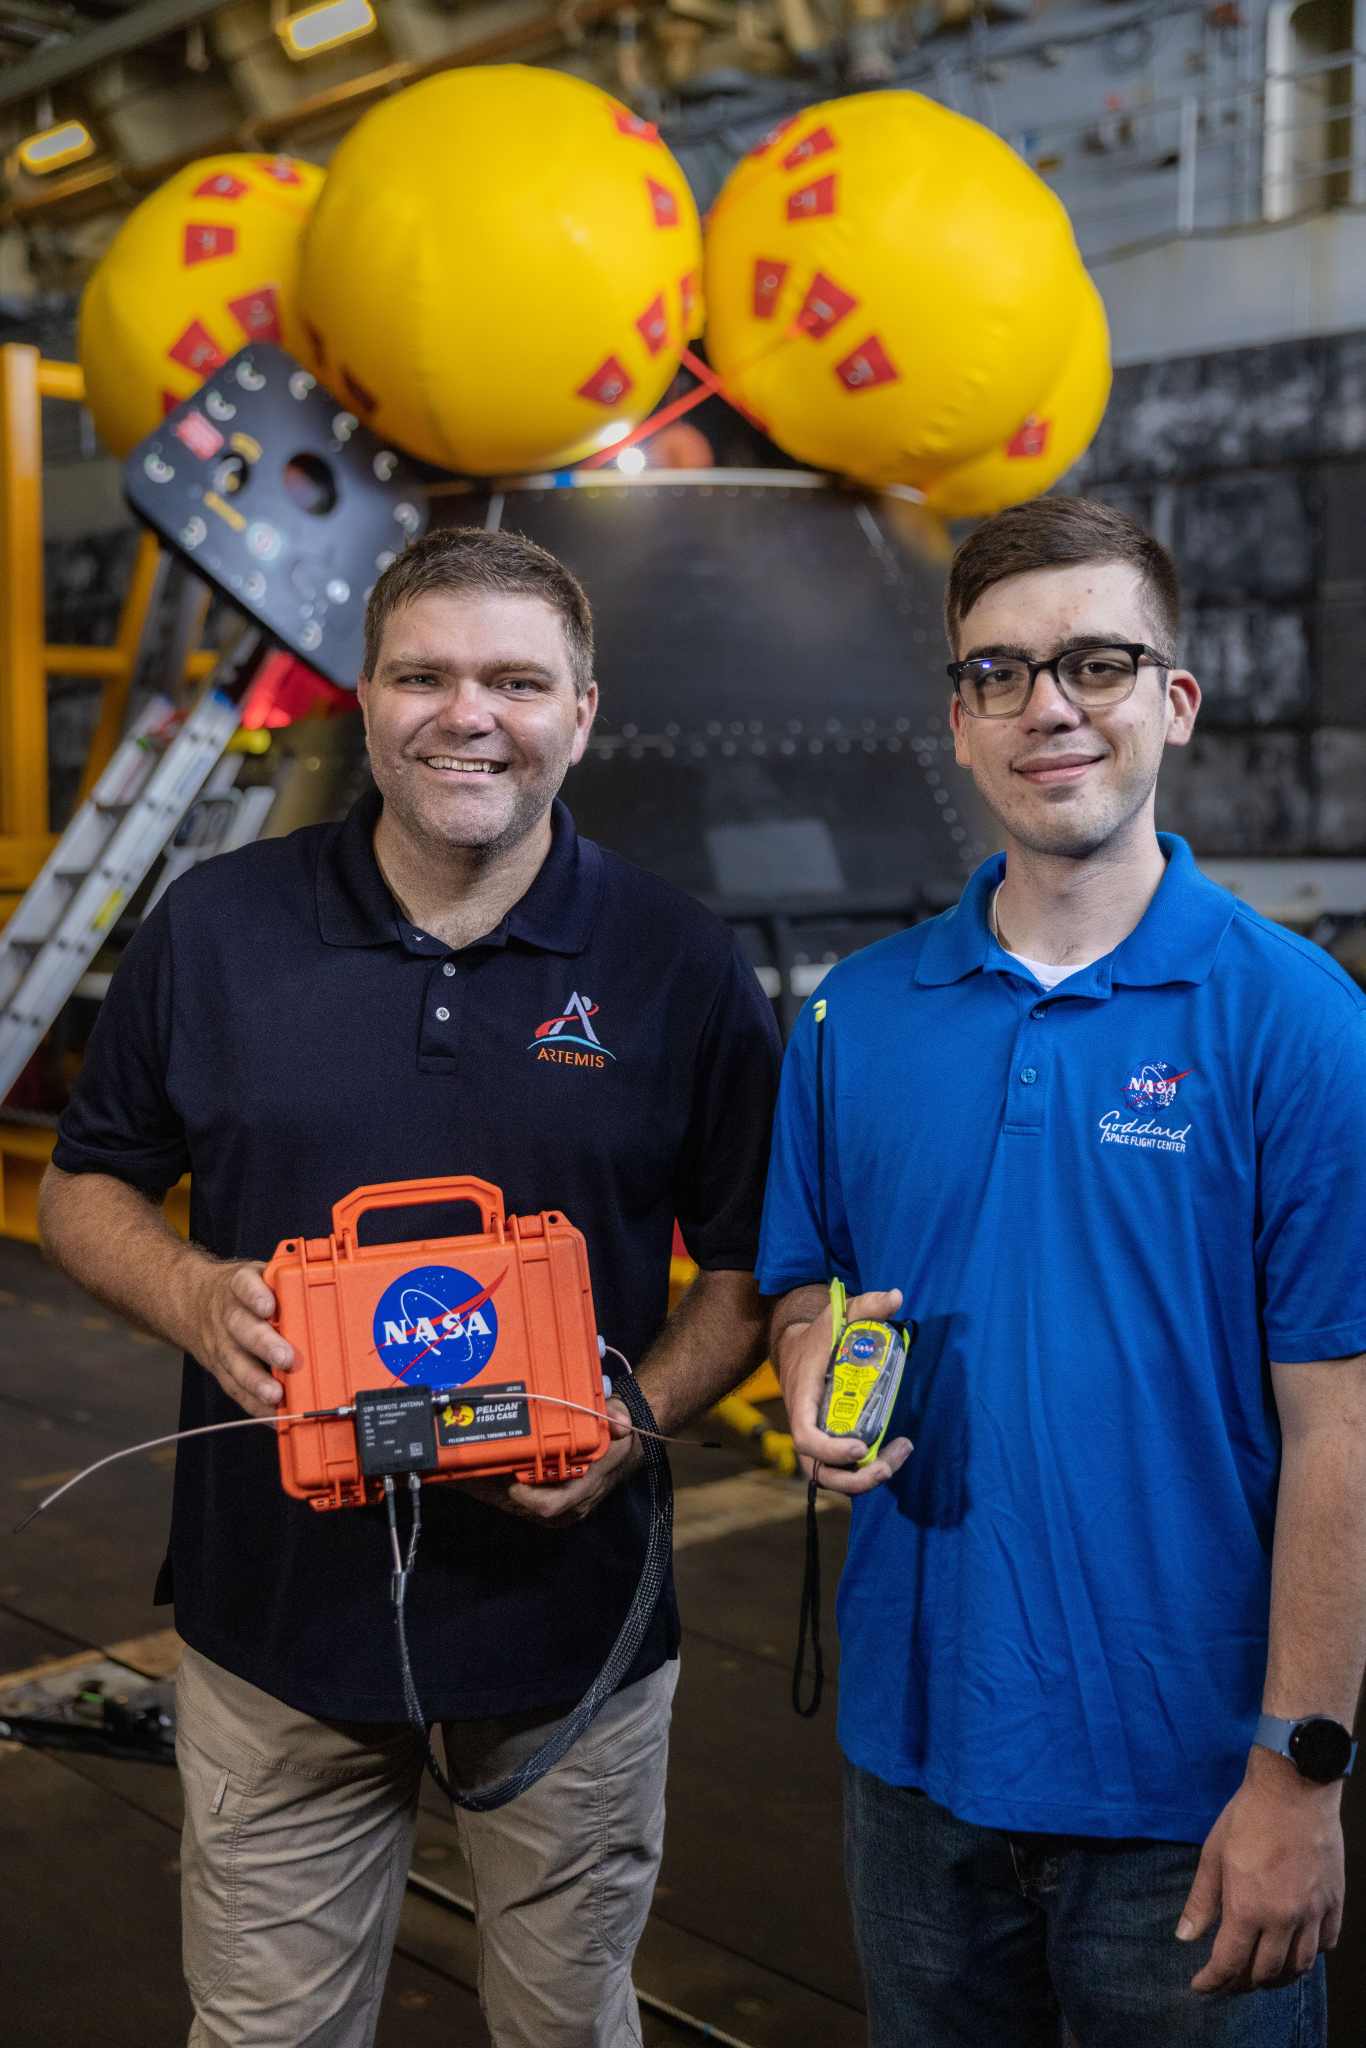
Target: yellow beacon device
[{"x": 863, "y": 1377}]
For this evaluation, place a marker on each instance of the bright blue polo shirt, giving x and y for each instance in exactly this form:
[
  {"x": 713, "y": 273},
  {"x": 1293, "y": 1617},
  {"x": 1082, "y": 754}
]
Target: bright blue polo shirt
[{"x": 1107, "y": 1208}]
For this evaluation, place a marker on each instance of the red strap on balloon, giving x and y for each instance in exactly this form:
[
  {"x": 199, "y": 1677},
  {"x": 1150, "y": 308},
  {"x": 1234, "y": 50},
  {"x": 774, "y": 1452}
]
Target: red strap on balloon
[{"x": 709, "y": 385}]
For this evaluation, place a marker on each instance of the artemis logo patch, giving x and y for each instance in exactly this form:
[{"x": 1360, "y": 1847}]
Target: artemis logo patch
[
  {"x": 436, "y": 1325},
  {"x": 558, "y": 1037}
]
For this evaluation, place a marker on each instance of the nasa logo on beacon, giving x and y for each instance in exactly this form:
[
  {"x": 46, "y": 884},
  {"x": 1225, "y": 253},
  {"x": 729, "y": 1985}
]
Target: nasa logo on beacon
[{"x": 435, "y": 1325}]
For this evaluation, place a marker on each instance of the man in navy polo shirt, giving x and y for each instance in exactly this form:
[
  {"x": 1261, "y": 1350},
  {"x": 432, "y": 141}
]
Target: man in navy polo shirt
[
  {"x": 450, "y": 981},
  {"x": 1101, "y": 1131}
]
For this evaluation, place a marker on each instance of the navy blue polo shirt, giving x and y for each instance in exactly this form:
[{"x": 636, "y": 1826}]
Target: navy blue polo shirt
[
  {"x": 1108, "y": 1209},
  {"x": 278, "y": 1030}
]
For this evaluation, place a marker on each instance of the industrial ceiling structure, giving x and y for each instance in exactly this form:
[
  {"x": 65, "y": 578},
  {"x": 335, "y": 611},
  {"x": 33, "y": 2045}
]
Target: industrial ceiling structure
[{"x": 99, "y": 102}]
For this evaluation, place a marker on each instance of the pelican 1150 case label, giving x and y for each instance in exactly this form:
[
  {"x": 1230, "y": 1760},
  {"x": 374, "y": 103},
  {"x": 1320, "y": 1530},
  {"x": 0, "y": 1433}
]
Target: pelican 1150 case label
[{"x": 483, "y": 1415}]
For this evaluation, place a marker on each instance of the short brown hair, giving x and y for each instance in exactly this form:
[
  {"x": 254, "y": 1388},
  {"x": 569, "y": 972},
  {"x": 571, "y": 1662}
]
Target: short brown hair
[
  {"x": 466, "y": 558},
  {"x": 1054, "y": 533}
]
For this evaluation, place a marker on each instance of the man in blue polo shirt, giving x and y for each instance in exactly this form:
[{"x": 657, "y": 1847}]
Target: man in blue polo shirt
[
  {"x": 451, "y": 981},
  {"x": 1101, "y": 1131}
]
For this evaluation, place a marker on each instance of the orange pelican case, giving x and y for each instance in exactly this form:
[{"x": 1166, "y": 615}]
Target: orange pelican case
[{"x": 490, "y": 1319}]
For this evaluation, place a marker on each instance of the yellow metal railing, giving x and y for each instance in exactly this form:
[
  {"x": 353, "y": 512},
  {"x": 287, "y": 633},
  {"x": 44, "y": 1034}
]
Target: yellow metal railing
[{"x": 26, "y": 662}]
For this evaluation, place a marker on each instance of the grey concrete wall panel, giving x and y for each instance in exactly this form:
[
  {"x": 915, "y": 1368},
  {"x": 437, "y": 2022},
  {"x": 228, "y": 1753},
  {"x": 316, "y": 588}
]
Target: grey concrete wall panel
[
  {"x": 1234, "y": 793},
  {"x": 1248, "y": 534},
  {"x": 1253, "y": 665},
  {"x": 1249, "y": 464},
  {"x": 1342, "y": 429},
  {"x": 1185, "y": 414},
  {"x": 1339, "y": 766}
]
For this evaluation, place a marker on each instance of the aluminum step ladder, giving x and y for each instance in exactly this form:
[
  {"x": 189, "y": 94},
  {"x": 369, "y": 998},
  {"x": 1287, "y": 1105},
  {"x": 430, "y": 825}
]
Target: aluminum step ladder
[{"x": 106, "y": 852}]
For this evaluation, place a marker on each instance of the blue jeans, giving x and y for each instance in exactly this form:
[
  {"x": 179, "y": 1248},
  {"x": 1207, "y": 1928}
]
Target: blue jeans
[{"x": 971, "y": 1938}]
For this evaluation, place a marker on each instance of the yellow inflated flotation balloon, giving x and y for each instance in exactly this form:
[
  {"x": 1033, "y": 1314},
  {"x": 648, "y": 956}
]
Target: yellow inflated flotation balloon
[
  {"x": 503, "y": 269},
  {"x": 889, "y": 287},
  {"x": 1051, "y": 436},
  {"x": 206, "y": 263}
]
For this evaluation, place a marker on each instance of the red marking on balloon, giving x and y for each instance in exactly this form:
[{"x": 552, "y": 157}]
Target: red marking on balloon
[
  {"x": 222, "y": 185},
  {"x": 362, "y": 399},
  {"x": 824, "y": 306},
  {"x": 653, "y": 325},
  {"x": 818, "y": 143},
  {"x": 204, "y": 240},
  {"x": 1030, "y": 438},
  {"x": 197, "y": 350},
  {"x": 768, "y": 279},
  {"x": 635, "y": 125},
  {"x": 281, "y": 169},
  {"x": 687, "y": 297},
  {"x": 257, "y": 313},
  {"x": 608, "y": 384},
  {"x": 868, "y": 366},
  {"x": 169, "y": 402},
  {"x": 664, "y": 204},
  {"x": 813, "y": 200},
  {"x": 766, "y": 142}
]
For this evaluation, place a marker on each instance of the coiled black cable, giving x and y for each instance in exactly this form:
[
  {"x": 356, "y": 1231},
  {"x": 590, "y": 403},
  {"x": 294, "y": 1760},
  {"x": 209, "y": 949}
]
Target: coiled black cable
[{"x": 654, "y": 1572}]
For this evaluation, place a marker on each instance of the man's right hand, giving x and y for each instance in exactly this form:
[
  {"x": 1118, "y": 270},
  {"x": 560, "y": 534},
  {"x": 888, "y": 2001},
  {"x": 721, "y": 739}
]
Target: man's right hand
[
  {"x": 801, "y": 1356},
  {"x": 234, "y": 1338}
]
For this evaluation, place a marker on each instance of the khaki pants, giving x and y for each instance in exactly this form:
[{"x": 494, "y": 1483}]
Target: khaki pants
[{"x": 296, "y": 1847}]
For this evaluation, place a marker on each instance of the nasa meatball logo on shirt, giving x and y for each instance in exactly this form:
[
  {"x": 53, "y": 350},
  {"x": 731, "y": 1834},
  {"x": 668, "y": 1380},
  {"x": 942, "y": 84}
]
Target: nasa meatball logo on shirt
[
  {"x": 1148, "y": 1121},
  {"x": 436, "y": 1326}
]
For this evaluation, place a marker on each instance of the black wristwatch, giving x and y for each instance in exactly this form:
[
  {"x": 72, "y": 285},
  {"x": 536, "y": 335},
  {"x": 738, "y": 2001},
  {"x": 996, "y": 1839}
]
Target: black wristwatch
[{"x": 1320, "y": 1749}]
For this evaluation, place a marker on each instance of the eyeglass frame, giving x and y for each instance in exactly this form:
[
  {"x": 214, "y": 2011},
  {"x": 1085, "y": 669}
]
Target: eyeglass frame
[{"x": 1135, "y": 649}]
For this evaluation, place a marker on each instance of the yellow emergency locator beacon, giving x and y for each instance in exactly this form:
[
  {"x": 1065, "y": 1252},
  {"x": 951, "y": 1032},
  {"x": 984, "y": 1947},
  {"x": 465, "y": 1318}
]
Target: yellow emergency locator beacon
[{"x": 863, "y": 1377}]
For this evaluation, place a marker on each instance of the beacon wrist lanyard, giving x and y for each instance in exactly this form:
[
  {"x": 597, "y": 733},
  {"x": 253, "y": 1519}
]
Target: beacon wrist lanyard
[{"x": 862, "y": 1379}]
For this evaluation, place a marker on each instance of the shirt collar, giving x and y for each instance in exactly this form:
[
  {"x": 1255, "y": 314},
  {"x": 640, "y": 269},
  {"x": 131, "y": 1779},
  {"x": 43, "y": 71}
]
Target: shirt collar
[
  {"x": 1176, "y": 939},
  {"x": 355, "y": 907}
]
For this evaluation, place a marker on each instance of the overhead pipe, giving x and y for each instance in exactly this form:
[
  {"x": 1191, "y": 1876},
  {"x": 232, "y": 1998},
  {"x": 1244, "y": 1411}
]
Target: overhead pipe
[
  {"x": 46, "y": 68},
  {"x": 268, "y": 131}
]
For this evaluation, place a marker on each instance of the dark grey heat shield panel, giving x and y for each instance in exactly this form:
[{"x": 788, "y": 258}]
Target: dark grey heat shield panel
[{"x": 773, "y": 725}]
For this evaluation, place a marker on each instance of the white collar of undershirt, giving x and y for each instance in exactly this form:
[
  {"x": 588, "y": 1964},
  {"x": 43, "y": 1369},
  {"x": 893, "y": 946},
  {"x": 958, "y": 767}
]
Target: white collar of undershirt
[{"x": 1046, "y": 972}]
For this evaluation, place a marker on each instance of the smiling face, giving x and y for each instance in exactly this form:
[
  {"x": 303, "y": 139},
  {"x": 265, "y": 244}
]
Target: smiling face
[
  {"x": 472, "y": 719},
  {"x": 1060, "y": 780}
]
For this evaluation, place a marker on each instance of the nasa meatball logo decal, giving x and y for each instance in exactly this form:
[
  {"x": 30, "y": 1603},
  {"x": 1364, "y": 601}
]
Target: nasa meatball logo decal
[
  {"x": 436, "y": 1326},
  {"x": 1150, "y": 1089},
  {"x": 1154, "y": 1086}
]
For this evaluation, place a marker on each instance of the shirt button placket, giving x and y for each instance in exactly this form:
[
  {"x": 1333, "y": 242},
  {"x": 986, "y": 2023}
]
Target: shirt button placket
[
  {"x": 1025, "y": 1104},
  {"x": 441, "y": 1012}
]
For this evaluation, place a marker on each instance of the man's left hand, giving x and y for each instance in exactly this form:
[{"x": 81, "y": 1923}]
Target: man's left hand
[
  {"x": 557, "y": 1504},
  {"x": 1271, "y": 1873}
]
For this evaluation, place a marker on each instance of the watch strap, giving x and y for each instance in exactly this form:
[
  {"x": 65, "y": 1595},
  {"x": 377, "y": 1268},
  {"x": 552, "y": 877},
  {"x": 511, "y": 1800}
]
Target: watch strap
[{"x": 1274, "y": 1734}]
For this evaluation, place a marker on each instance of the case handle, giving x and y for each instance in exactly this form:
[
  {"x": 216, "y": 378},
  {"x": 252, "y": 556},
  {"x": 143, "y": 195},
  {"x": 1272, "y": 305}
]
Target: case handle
[{"x": 408, "y": 1194}]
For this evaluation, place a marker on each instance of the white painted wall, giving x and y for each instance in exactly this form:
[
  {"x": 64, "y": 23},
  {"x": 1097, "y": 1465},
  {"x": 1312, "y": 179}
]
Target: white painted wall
[{"x": 1237, "y": 289}]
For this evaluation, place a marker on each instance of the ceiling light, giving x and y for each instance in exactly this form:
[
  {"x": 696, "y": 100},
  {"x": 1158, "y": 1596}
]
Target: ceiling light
[
  {"x": 325, "y": 27},
  {"x": 631, "y": 461},
  {"x": 51, "y": 149}
]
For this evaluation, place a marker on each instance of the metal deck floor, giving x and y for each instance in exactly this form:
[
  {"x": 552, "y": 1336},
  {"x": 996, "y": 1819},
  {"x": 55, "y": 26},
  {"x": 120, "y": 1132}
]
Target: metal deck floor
[{"x": 749, "y": 1932}]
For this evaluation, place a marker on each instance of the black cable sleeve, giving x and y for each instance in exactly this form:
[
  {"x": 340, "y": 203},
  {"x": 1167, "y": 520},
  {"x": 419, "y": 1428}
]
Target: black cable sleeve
[
  {"x": 820, "y": 1147},
  {"x": 654, "y": 1574},
  {"x": 810, "y": 1619}
]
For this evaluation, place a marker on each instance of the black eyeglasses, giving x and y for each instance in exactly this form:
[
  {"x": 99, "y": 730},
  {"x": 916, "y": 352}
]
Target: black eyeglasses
[{"x": 1091, "y": 678}]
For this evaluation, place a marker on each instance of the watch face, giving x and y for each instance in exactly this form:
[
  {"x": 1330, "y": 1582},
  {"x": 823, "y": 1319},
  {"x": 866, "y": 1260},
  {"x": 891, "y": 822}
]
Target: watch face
[{"x": 1321, "y": 1750}]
